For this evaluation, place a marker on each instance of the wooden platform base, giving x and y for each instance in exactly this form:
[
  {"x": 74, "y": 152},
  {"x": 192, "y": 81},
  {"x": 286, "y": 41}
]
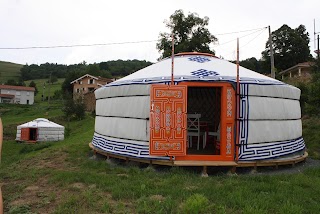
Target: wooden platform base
[{"x": 289, "y": 161}]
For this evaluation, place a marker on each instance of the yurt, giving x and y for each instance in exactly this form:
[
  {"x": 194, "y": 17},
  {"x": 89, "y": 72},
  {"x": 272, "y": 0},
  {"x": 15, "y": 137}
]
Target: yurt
[
  {"x": 40, "y": 129},
  {"x": 200, "y": 115}
]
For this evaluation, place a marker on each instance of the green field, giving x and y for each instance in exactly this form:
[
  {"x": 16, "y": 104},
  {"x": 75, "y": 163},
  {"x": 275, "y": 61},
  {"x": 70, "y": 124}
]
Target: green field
[
  {"x": 9, "y": 70},
  {"x": 63, "y": 178},
  {"x": 43, "y": 88}
]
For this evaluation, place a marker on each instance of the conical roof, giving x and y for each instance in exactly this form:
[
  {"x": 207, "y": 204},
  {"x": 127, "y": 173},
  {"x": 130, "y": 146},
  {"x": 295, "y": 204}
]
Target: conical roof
[
  {"x": 40, "y": 122},
  {"x": 194, "y": 67}
]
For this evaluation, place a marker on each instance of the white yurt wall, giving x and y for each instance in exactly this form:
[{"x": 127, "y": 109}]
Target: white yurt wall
[
  {"x": 270, "y": 121},
  {"x": 122, "y": 120}
]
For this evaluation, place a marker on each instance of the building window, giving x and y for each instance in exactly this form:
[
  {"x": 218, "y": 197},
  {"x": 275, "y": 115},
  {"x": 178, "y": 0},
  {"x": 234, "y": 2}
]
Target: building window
[
  {"x": 4, "y": 100},
  {"x": 80, "y": 82},
  {"x": 91, "y": 81},
  {"x": 18, "y": 93},
  {"x": 28, "y": 93},
  {"x": 78, "y": 90},
  {"x": 91, "y": 89}
]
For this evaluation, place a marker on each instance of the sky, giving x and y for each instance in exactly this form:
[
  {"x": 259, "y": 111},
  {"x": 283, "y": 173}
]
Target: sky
[{"x": 30, "y": 23}]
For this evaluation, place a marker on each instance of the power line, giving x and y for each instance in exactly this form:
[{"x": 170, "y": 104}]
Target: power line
[
  {"x": 107, "y": 44},
  {"x": 240, "y": 31},
  {"x": 253, "y": 38},
  {"x": 261, "y": 29},
  {"x": 78, "y": 45}
]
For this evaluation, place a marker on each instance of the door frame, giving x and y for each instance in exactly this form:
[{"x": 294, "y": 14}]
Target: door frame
[{"x": 227, "y": 123}]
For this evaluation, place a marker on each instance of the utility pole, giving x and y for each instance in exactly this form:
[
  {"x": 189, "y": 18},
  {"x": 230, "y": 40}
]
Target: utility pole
[
  {"x": 318, "y": 46},
  {"x": 44, "y": 87},
  {"x": 49, "y": 90},
  {"x": 273, "y": 74}
]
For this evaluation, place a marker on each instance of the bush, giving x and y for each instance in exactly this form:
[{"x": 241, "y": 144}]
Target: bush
[
  {"x": 74, "y": 109},
  {"x": 196, "y": 203}
]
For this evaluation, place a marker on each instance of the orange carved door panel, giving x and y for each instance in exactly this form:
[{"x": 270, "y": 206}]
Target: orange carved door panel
[
  {"x": 168, "y": 126},
  {"x": 25, "y": 134},
  {"x": 228, "y": 114}
]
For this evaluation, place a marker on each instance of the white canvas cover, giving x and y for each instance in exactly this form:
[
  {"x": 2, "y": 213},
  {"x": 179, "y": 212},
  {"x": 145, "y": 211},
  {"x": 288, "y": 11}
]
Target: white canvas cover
[
  {"x": 270, "y": 115},
  {"x": 46, "y": 130}
]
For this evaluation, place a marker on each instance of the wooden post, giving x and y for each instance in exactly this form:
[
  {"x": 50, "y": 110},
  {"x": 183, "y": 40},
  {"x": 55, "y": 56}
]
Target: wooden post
[
  {"x": 273, "y": 74},
  {"x": 237, "y": 133},
  {"x": 172, "y": 60},
  {"x": 204, "y": 172}
]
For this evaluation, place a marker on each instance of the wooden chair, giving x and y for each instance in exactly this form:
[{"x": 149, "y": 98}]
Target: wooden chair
[
  {"x": 217, "y": 135},
  {"x": 193, "y": 121}
]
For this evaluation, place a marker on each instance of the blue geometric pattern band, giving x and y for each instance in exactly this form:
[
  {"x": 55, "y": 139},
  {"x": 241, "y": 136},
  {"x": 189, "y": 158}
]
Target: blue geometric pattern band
[
  {"x": 199, "y": 59},
  {"x": 263, "y": 151},
  {"x": 119, "y": 147}
]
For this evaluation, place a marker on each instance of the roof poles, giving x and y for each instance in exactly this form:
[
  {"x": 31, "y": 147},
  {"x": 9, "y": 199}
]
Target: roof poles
[
  {"x": 172, "y": 59},
  {"x": 237, "y": 99}
]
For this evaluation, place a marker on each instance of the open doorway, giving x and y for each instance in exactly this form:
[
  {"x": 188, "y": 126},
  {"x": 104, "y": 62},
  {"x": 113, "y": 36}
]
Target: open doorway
[
  {"x": 33, "y": 134},
  {"x": 203, "y": 118}
]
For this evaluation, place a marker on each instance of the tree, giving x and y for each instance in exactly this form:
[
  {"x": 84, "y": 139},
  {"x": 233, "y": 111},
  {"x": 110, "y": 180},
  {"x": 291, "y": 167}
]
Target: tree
[
  {"x": 93, "y": 70},
  {"x": 190, "y": 34},
  {"x": 11, "y": 82},
  {"x": 312, "y": 106},
  {"x": 291, "y": 46},
  {"x": 66, "y": 87},
  {"x": 33, "y": 84},
  {"x": 53, "y": 79},
  {"x": 73, "y": 108}
]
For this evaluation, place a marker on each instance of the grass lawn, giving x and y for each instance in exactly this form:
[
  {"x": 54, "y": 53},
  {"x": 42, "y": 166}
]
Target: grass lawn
[
  {"x": 9, "y": 70},
  {"x": 62, "y": 177}
]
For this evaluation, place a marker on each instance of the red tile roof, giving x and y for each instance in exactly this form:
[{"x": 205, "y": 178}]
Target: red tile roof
[
  {"x": 7, "y": 95},
  {"x": 17, "y": 88}
]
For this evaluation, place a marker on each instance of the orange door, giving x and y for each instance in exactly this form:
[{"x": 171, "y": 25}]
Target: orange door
[
  {"x": 24, "y": 134},
  {"x": 168, "y": 107}
]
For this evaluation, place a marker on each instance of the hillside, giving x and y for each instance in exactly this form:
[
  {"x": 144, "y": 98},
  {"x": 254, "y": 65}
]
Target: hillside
[{"x": 9, "y": 70}]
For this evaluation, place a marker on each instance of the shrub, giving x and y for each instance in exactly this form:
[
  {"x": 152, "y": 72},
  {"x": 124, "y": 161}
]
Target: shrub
[{"x": 196, "y": 203}]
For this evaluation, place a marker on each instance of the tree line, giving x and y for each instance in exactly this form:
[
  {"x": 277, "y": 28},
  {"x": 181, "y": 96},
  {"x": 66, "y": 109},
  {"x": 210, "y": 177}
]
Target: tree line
[{"x": 107, "y": 69}]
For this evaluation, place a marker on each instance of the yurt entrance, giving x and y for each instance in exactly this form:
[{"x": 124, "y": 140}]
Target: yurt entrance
[
  {"x": 29, "y": 134},
  {"x": 193, "y": 121}
]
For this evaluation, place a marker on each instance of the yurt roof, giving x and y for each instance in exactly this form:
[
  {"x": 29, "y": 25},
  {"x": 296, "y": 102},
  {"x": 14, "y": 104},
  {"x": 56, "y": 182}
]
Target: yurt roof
[
  {"x": 194, "y": 67},
  {"x": 40, "y": 122}
]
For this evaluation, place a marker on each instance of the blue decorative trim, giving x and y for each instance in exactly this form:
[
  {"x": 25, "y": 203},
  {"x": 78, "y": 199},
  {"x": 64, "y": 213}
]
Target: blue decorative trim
[
  {"x": 199, "y": 59},
  {"x": 204, "y": 73},
  {"x": 183, "y": 78},
  {"x": 122, "y": 148},
  {"x": 244, "y": 115},
  {"x": 263, "y": 151}
]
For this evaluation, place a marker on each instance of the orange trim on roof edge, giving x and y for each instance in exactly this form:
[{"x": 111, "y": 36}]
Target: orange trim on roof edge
[{"x": 195, "y": 53}]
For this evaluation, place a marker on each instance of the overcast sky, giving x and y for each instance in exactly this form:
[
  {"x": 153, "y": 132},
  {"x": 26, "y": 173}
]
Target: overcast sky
[{"x": 26, "y": 23}]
